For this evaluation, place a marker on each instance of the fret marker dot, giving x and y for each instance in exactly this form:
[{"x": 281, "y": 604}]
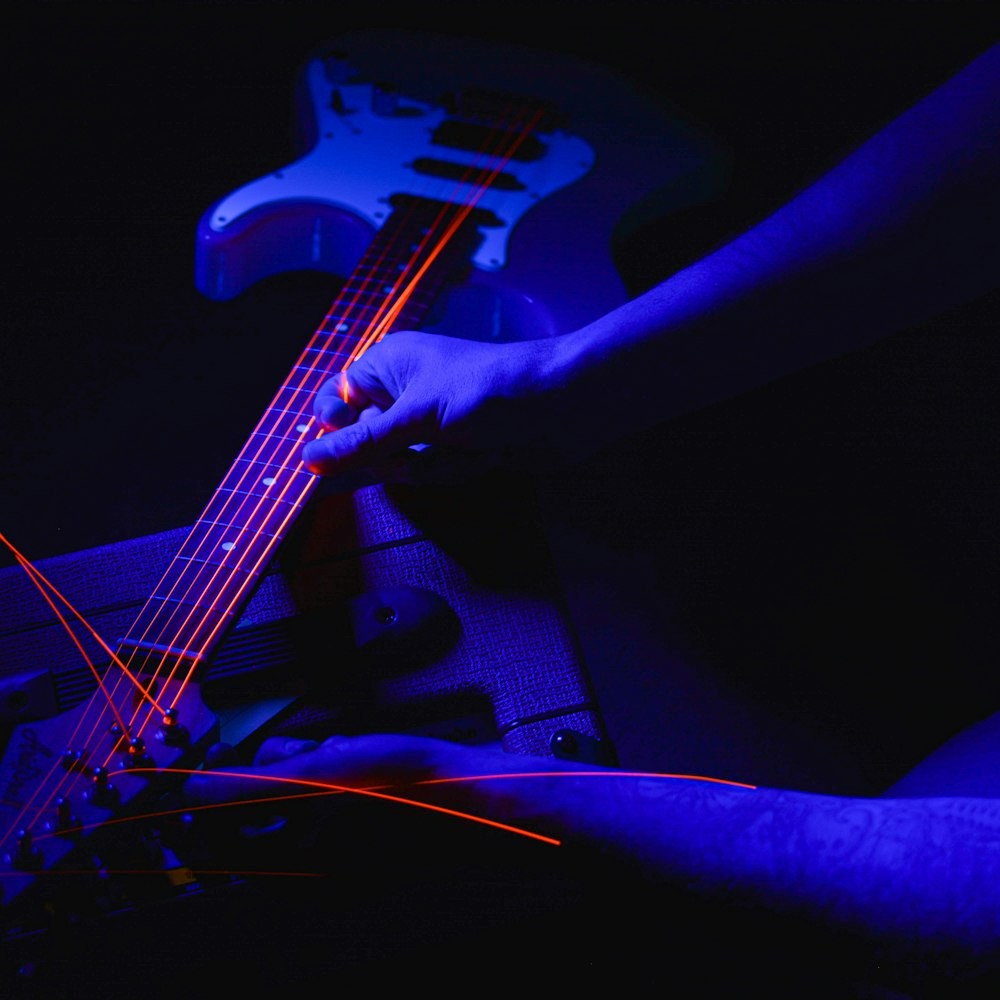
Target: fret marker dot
[
  {"x": 302, "y": 428},
  {"x": 269, "y": 481},
  {"x": 341, "y": 327},
  {"x": 228, "y": 545}
]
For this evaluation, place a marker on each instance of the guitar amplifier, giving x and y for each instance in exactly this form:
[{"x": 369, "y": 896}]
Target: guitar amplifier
[{"x": 389, "y": 609}]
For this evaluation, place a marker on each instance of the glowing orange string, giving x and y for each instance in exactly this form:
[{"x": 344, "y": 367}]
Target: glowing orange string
[
  {"x": 381, "y": 324},
  {"x": 36, "y": 575},
  {"x": 41, "y": 582},
  {"x": 368, "y": 793},
  {"x": 379, "y": 328},
  {"x": 588, "y": 774},
  {"x": 273, "y": 500},
  {"x": 390, "y": 314},
  {"x": 458, "y": 219}
]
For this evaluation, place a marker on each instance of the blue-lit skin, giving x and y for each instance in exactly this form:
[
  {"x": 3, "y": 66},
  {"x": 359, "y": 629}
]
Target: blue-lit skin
[{"x": 901, "y": 230}]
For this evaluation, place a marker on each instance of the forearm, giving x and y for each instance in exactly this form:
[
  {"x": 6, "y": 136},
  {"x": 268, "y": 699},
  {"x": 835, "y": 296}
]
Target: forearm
[
  {"x": 918, "y": 881},
  {"x": 914, "y": 881},
  {"x": 901, "y": 230}
]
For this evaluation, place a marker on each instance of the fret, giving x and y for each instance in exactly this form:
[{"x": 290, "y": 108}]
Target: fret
[
  {"x": 228, "y": 529},
  {"x": 161, "y": 630},
  {"x": 193, "y": 577},
  {"x": 360, "y": 309},
  {"x": 177, "y": 602},
  {"x": 284, "y": 425},
  {"x": 263, "y": 494},
  {"x": 155, "y": 647},
  {"x": 296, "y": 396},
  {"x": 334, "y": 325},
  {"x": 284, "y": 422},
  {"x": 238, "y": 520},
  {"x": 327, "y": 352},
  {"x": 311, "y": 369},
  {"x": 200, "y": 584},
  {"x": 235, "y": 544},
  {"x": 203, "y": 561},
  {"x": 296, "y": 442},
  {"x": 295, "y": 413},
  {"x": 227, "y": 550},
  {"x": 295, "y": 399},
  {"x": 380, "y": 286},
  {"x": 272, "y": 475},
  {"x": 140, "y": 661}
]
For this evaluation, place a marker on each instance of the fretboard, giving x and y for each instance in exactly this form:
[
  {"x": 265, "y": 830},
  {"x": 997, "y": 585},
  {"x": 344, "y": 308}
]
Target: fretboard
[{"x": 421, "y": 248}]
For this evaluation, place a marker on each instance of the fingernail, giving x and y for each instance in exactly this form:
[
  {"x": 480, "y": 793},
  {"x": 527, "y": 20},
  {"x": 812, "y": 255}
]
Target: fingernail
[{"x": 336, "y": 413}]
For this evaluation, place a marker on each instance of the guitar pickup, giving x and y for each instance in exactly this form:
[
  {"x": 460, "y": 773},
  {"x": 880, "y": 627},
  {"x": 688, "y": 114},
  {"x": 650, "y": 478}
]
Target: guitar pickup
[{"x": 430, "y": 167}]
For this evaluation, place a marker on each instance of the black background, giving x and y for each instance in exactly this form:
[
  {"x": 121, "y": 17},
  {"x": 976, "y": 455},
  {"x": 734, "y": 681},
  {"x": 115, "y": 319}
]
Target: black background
[
  {"x": 843, "y": 518},
  {"x": 125, "y": 121}
]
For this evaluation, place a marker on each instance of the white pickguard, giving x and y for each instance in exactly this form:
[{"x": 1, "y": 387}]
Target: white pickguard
[{"x": 362, "y": 157}]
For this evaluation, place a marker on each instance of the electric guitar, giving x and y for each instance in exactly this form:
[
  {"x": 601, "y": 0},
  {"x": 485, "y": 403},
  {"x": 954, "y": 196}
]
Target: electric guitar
[{"x": 486, "y": 211}]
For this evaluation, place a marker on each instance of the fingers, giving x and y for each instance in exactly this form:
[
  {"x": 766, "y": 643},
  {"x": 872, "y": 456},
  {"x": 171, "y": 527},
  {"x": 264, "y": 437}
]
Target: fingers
[
  {"x": 338, "y": 402},
  {"x": 279, "y": 748},
  {"x": 290, "y": 767},
  {"x": 375, "y": 442},
  {"x": 369, "y": 380},
  {"x": 333, "y": 413},
  {"x": 277, "y": 775}
]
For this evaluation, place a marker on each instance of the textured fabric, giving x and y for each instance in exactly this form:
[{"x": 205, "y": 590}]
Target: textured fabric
[{"x": 514, "y": 648}]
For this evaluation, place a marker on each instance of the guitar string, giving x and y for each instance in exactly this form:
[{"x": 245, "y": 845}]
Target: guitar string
[
  {"x": 41, "y": 582},
  {"x": 379, "y": 331},
  {"x": 39, "y": 579},
  {"x": 282, "y": 462},
  {"x": 114, "y": 749},
  {"x": 47, "y": 589},
  {"x": 326, "y": 788},
  {"x": 275, "y": 463}
]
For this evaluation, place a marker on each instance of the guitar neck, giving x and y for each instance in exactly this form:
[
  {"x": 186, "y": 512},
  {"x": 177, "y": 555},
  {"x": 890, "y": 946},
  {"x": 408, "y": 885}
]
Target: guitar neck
[{"x": 423, "y": 246}]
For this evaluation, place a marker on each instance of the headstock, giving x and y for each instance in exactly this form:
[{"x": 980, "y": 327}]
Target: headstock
[{"x": 79, "y": 799}]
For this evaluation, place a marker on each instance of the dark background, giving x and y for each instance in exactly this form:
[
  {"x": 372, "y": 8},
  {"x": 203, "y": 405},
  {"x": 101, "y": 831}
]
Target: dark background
[
  {"x": 788, "y": 545},
  {"x": 125, "y": 121},
  {"x": 798, "y": 542},
  {"x": 843, "y": 514}
]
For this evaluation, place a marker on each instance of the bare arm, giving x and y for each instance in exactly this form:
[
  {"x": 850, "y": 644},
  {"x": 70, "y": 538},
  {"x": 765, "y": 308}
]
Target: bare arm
[
  {"x": 916, "y": 880},
  {"x": 904, "y": 228}
]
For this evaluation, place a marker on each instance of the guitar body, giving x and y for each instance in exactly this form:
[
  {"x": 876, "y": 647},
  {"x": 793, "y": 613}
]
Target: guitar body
[
  {"x": 425, "y": 610},
  {"x": 622, "y": 162}
]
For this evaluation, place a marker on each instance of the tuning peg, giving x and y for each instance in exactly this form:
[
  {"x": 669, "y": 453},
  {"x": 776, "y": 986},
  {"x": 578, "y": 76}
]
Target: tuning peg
[
  {"x": 25, "y": 855},
  {"x": 74, "y": 760},
  {"x": 171, "y": 732},
  {"x": 138, "y": 755},
  {"x": 102, "y": 792},
  {"x": 66, "y": 820}
]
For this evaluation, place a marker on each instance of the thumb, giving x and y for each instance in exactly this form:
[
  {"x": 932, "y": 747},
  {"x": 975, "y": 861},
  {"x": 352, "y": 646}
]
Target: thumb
[{"x": 372, "y": 441}]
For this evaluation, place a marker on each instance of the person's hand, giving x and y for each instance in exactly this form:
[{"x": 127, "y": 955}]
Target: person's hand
[
  {"x": 427, "y": 407},
  {"x": 303, "y": 787},
  {"x": 377, "y": 762}
]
